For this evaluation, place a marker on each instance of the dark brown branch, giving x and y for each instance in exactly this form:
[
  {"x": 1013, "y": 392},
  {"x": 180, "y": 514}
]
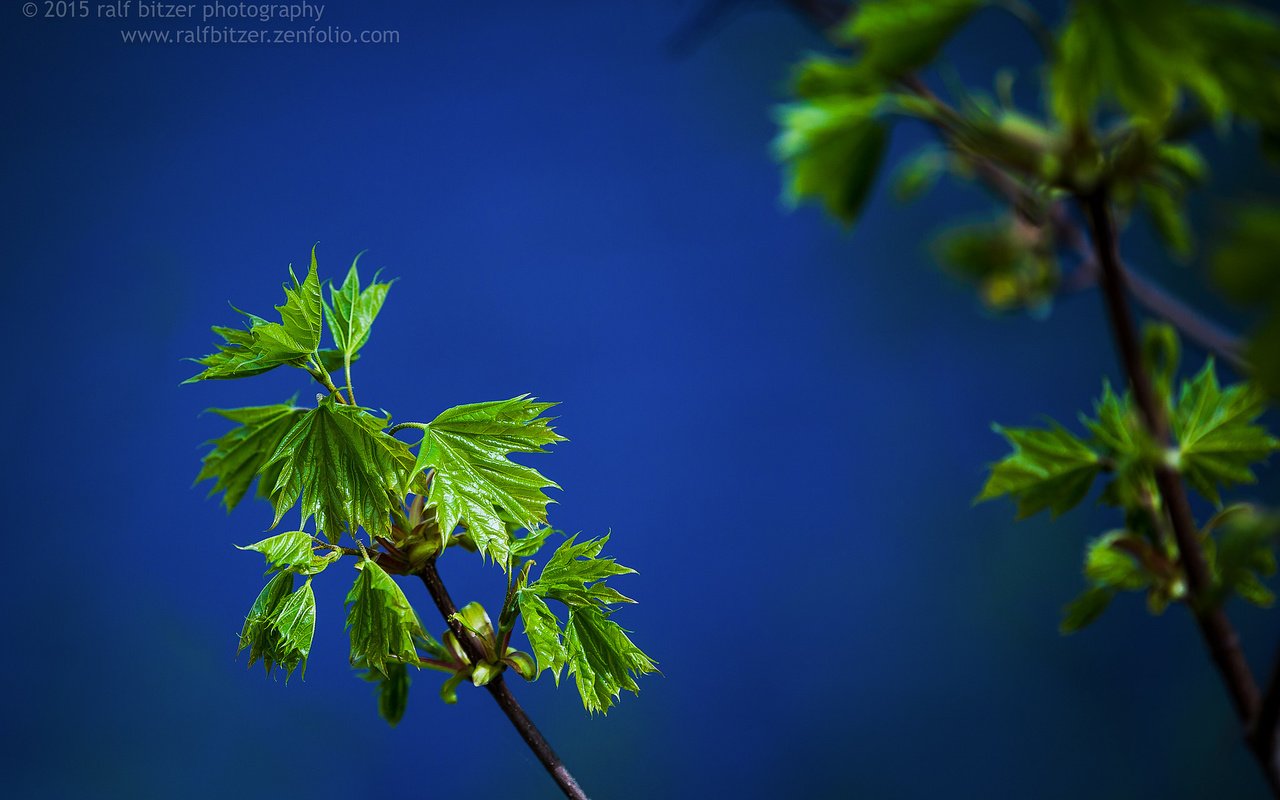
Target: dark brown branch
[
  {"x": 498, "y": 688},
  {"x": 1219, "y": 635}
]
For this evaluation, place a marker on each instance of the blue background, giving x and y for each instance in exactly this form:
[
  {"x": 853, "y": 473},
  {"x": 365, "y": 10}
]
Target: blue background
[{"x": 782, "y": 423}]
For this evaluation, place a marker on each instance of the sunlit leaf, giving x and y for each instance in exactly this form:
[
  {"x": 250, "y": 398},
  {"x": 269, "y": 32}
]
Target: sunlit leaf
[
  {"x": 474, "y": 482},
  {"x": 343, "y": 468}
]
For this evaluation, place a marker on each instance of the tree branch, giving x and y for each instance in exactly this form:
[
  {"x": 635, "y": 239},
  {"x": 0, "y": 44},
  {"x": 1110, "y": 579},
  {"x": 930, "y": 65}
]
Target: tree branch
[
  {"x": 498, "y": 688},
  {"x": 1219, "y": 635}
]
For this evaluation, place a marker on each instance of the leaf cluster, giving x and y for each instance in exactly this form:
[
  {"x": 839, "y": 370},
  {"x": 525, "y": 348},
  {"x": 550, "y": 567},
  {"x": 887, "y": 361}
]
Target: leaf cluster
[
  {"x": 1218, "y": 441},
  {"x": 341, "y": 466},
  {"x": 597, "y": 651},
  {"x": 1124, "y": 82}
]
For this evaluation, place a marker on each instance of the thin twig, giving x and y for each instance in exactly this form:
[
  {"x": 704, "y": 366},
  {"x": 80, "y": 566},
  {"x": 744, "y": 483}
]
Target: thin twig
[
  {"x": 1219, "y": 635},
  {"x": 498, "y": 688}
]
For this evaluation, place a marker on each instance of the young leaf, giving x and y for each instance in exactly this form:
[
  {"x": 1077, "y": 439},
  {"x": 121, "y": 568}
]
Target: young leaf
[
  {"x": 1217, "y": 438},
  {"x": 543, "y": 631},
  {"x": 280, "y": 625},
  {"x": 1109, "y": 562},
  {"x": 352, "y": 310},
  {"x": 1119, "y": 434},
  {"x": 1146, "y": 54},
  {"x": 897, "y": 37},
  {"x": 297, "y": 335},
  {"x": 1169, "y": 217},
  {"x": 345, "y": 470},
  {"x": 1048, "y": 468},
  {"x": 381, "y": 622},
  {"x": 475, "y": 483},
  {"x": 393, "y": 693},
  {"x": 528, "y": 545},
  {"x": 832, "y": 148},
  {"x": 284, "y": 550},
  {"x": 235, "y": 358},
  {"x": 295, "y": 622},
  {"x": 1243, "y": 554},
  {"x": 1245, "y": 266},
  {"x": 601, "y": 659},
  {"x": 238, "y": 456},
  {"x": 1085, "y": 609},
  {"x": 575, "y": 575}
]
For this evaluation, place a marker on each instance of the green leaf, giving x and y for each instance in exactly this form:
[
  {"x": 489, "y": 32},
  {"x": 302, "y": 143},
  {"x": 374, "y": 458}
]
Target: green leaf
[
  {"x": 239, "y": 455},
  {"x": 352, "y": 310},
  {"x": 267, "y": 345},
  {"x": 897, "y": 37},
  {"x": 575, "y": 575},
  {"x": 1009, "y": 262},
  {"x": 284, "y": 550},
  {"x": 381, "y": 622},
  {"x": 280, "y": 625},
  {"x": 1048, "y": 468},
  {"x": 297, "y": 335},
  {"x": 1148, "y": 54},
  {"x": 1169, "y": 218},
  {"x": 1246, "y": 268},
  {"x": 528, "y": 545},
  {"x": 1121, "y": 436},
  {"x": 1243, "y": 554},
  {"x": 474, "y": 483},
  {"x": 393, "y": 694},
  {"x": 1109, "y": 561},
  {"x": 1085, "y": 609},
  {"x": 235, "y": 358},
  {"x": 345, "y": 470},
  {"x": 832, "y": 148},
  {"x": 543, "y": 631},
  {"x": 1217, "y": 438},
  {"x": 601, "y": 659},
  {"x": 917, "y": 174},
  {"x": 333, "y": 360},
  {"x": 1162, "y": 352}
]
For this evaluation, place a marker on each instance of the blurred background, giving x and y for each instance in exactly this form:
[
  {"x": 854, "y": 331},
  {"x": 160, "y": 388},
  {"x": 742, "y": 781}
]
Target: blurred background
[{"x": 782, "y": 423}]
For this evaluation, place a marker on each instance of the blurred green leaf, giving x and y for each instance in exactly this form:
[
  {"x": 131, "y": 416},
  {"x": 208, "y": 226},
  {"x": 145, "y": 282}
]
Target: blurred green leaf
[
  {"x": 1048, "y": 469},
  {"x": 393, "y": 692},
  {"x": 917, "y": 174},
  {"x": 1110, "y": 562},
  {"x": 1245, "y": 267},
  {"x": 1148, "y": 54},
  {"x": 1168, "y": 217},
  {"x": 1085, "y": 609},
  {"x": 1218, "y": 441},
  {"x": 1009, "y": 261},
  {"x": 1243, "y": 554},
  {"x": 897, "y": 37},
  {"x": 832, "y": 149}
]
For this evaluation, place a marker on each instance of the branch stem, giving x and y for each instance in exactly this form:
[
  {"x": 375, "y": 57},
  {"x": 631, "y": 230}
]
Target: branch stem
[
  {"x": 1219, "y": 635},
  {"x": 498, "y": 688}
]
